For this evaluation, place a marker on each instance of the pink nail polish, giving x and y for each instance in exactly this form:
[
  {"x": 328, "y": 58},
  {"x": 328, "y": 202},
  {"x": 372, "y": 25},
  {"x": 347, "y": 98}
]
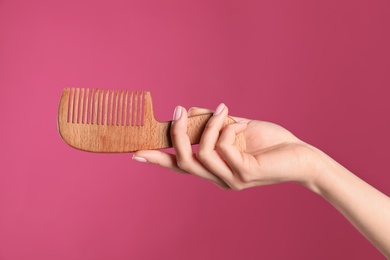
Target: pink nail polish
[
  {"x": 219, "y": 109},
  {"x": 139, "y": 159},
  {"x": 177, "y": 113}
]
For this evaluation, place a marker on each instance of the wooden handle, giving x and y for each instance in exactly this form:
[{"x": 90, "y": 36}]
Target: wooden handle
[{"x": 196, "y": 126}]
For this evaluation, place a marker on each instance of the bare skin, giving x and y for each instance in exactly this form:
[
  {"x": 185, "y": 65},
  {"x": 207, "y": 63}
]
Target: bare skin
[{"x": 273, "y": 155}]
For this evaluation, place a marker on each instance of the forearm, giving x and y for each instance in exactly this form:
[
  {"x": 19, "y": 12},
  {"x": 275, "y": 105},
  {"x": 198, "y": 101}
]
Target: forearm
[{"x": 365, "y": 207}]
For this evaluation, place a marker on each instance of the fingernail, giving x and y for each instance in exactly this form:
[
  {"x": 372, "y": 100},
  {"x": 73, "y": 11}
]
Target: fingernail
[
  {"x": 139, "y": 159},
  {"x": 190, "y": 110},
  {"x": 177, "y": 113},
  {"x": 219, "y": 109},
  {"x": 243, "y": 122}
]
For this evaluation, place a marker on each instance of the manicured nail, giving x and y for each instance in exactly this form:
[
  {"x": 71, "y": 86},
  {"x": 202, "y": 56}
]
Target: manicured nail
[
  {"x": 219, "y": 109},
  {"x": 177, "y": 113},
  {"x": 139, "y": 159},
  {"x": 190, "y": 110}
]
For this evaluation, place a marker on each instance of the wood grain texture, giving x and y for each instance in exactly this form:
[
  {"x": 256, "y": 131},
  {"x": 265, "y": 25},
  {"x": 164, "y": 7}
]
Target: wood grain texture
[{"x": 119, "y": 121}]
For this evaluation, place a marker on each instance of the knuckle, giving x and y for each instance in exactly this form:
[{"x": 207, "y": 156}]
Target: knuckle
[
  {"x": 184, "y": 164},
  {"x": 236, "y": 187},
  {"x": 235, "y": 184},
  {"x": 222, "y": 146},
  {"x": 202, "y": 155},
  {"x": 246, "y": 178}
]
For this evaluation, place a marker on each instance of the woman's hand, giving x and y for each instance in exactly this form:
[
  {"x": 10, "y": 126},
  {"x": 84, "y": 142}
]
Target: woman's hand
[{"x": 272, "y": 154}]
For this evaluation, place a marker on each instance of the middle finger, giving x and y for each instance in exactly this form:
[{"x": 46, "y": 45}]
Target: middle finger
[
  {"x": 206, "y": 150},
  {"x": 185, "y": 158}
]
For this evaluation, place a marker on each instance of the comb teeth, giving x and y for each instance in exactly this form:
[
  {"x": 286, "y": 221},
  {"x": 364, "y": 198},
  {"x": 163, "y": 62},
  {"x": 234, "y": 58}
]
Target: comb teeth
[{"x": 106, "y": 107}]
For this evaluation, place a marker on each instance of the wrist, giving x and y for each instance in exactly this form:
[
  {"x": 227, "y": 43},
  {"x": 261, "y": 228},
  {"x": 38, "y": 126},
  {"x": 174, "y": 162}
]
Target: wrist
[{"x": 319, "y": 167}]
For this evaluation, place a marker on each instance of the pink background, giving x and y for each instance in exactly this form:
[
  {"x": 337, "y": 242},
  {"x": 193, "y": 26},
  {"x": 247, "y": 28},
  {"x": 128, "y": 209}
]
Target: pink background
[{"x": 319, "y": 68}]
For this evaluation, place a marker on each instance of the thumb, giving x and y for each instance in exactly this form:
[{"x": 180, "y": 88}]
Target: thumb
[{"x": 166, "y": 160}]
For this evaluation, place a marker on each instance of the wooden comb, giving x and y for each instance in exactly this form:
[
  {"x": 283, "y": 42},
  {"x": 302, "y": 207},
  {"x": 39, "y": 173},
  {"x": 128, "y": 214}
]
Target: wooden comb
[{"x": 118, "y": 121}]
